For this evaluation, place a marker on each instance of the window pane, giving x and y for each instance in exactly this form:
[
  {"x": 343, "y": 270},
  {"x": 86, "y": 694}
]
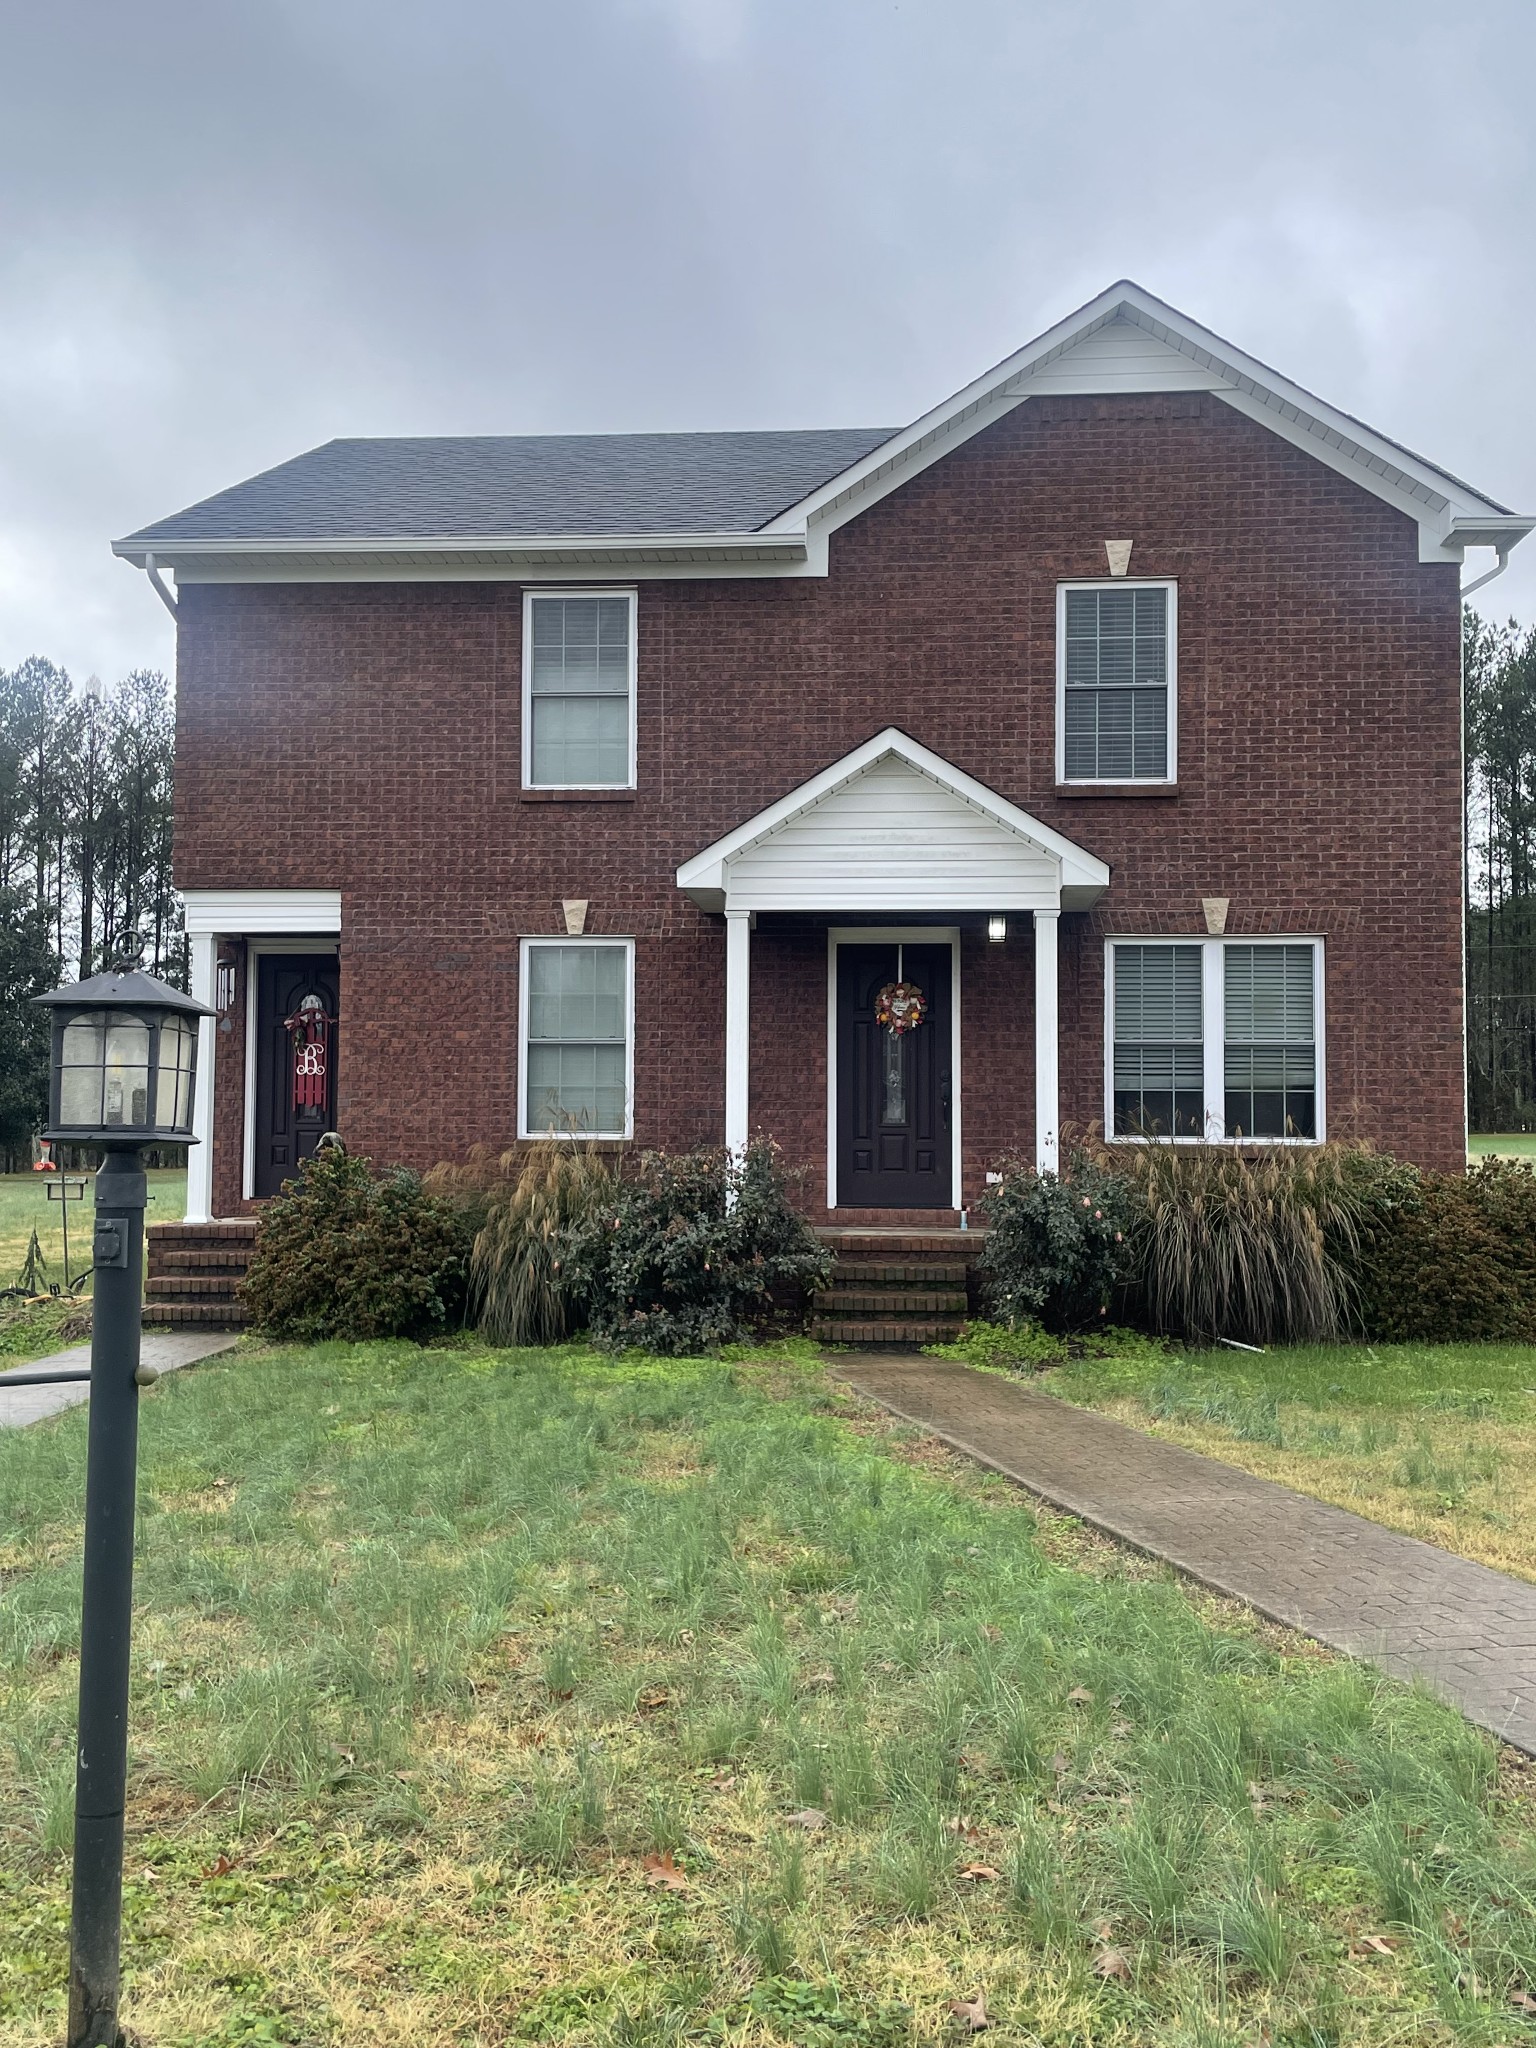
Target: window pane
[
  {"x": 1116, "y": 664},
  {"x": 1159, "y": 1058},
  {"x": 580, "y": 644},
  {"x": 576, "y": 992},
  {"x": 1157, "y": 993},
  {"x": 576, "y": 1088},
  {"x": 1269, "y": 993},
  {"x": 580, "y": 740},
  {"x": 1270, "y": 1058}
]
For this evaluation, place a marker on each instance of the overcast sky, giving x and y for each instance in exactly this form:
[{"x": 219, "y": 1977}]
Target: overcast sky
[{"x": 230, "y": 230}]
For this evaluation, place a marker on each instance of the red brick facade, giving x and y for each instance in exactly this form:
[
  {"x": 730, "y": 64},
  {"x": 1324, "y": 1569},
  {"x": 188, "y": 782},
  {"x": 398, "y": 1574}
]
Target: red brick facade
[{"x": 366, "y": 738}]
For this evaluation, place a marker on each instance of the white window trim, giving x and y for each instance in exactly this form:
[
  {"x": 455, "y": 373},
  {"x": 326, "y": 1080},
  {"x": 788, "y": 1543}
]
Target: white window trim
[
  {"x": 1118, "y": 781},
  {"x": 527, "y": 946},
  {"x": 1213, "y": 1031},
  {"x": 532, "y": 597}
]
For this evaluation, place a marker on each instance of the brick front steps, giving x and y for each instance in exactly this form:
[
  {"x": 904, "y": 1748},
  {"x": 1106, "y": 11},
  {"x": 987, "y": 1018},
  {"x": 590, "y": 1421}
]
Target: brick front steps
[
  {"x": 193, "y": 1271},
  {"x": 896, "y": 1284}
]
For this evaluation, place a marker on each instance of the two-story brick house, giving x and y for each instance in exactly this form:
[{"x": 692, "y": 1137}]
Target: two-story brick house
[{"x": 616, "y": 782}]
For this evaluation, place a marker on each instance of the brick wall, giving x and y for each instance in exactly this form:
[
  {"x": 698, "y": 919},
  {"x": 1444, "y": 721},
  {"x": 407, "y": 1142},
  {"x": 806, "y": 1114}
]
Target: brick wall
[{"x": 366, "y": 737}]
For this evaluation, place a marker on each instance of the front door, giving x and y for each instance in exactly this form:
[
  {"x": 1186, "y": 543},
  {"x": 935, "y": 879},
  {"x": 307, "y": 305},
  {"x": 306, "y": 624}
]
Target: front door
[
  {"x": 295, "y": 1068},
  {"x": 893, "y": 1089}
]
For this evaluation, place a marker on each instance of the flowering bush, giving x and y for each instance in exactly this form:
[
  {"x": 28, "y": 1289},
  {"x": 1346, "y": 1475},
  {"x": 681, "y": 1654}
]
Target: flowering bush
[{"x": 1058, "y": 1245}]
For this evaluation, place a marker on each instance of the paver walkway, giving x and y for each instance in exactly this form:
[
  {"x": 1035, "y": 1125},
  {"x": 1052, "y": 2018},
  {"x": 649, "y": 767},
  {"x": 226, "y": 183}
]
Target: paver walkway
[
  {"x": 165, "y": 1350},
  {"x": 1418, "y": 1612}
]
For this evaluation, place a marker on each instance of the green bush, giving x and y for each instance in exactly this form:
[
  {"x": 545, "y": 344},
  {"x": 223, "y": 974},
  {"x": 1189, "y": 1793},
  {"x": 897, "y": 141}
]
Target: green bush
[
  {"x": 1057, "y": 1246},
  {"x": 345, "y": 1252},
  {"x": 669, "y": 1264},
  {"x": 1455, "y": 1259}
]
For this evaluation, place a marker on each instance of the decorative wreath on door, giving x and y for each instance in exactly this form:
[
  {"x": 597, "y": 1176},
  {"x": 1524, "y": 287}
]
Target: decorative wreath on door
[{"x": 900, "y": 1007}]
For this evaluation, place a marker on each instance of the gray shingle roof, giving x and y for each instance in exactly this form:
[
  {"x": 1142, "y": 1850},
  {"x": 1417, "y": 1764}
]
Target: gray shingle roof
[{"x": 465, "y": 487}]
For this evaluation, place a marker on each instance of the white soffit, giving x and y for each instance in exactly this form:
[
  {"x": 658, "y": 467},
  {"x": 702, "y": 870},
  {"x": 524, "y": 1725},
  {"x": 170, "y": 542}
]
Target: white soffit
[
  {"x": 249, "y": 913},
  {"x": 893, "y": 827},
  {"x": 1128, "y": 341}
]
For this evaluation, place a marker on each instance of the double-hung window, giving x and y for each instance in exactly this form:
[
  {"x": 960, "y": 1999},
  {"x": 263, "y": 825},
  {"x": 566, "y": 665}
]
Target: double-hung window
[
  {"x": 579, "y": 689},
  {"x": 578, "y": 1037},
  {"x": 1215, "y": 1038},
  {"x": 1116, "y": 682}
]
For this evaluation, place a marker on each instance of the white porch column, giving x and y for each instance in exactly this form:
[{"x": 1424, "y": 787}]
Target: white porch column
[
  {"x": 204, "y": 950},
  {"x": 738, "y": 1026},
  {"x": 1047, "y": 1042}
]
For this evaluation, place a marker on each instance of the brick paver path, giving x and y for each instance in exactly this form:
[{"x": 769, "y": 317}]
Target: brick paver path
[
  {"x": 1416, "y": 1611},
  {"x": 165, "y": 1350}
]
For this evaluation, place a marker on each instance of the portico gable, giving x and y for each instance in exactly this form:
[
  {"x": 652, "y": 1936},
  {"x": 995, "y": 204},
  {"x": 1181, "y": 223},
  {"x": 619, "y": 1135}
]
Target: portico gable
[{"x": 892, "y": 829}]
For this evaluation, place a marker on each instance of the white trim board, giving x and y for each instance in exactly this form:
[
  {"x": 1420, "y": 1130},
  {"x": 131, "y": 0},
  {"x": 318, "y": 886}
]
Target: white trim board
[
  {"x": 897, "y": 935},
  {"x": 241, "y": 913},
  {"x": 1124, "y": 340}
]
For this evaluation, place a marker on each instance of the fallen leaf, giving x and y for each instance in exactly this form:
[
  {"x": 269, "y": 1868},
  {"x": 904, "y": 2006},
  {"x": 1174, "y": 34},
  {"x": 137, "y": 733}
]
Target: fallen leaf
[
  {"x": 1079, "y": 1696},
  {"x": 993, "y": 1635},
  {"x": 1522, "y": 2001},
  {"x": 1061, "y": 1763},
  {"x": 725, "y": 1781},
  {"x": 963, "y": 1825},
  {"x": 1112, "y": 1962},
  {"x": 1102, "y": 1931},
  {"x": 809, "y": 1817},
  {"x": 970, "y": 2015},
  {"x": 1375, "y": 1945},
  {"x": 819, "y": 1681},
  {"x": 978, "y": 1873},
  {"x": 220, "y": 1867},
  {"x": 1121, "y": 1729},
  {"x": 649, "y": 1698},
  {"x": 663, "y": 1873}
]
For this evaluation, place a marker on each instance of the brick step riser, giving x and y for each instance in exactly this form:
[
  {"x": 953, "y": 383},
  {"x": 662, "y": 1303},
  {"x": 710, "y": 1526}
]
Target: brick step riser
[
  {"x": 891, "y": 1301},
  {"x": 883, "y": 1331},
  {"x": 215, "y": 1263},
  {"x": 880, "y": 1273},
  {"x": 213, "y": 1315},
  {"x": 199, "y": 1286}
]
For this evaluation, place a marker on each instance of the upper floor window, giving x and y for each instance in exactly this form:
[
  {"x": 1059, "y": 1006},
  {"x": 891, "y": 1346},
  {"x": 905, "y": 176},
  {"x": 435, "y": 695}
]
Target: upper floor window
[
  {"x": 1116, "y": 700},
  {"x": 579, "y": 690}
]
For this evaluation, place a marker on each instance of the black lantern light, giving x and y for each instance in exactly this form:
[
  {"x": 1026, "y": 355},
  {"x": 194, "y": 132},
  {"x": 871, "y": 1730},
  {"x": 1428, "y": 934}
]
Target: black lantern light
[
  {"x": 122, "y": 1074},
  {"x": 124, "y": 1061}
]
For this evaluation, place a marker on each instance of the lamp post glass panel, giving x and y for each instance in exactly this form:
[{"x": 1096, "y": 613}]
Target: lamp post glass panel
[{"x": 124, "y": 1067}]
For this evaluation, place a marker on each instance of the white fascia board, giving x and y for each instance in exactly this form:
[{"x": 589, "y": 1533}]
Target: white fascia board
[
  {"x": 704, "y": 877},
  {"x": 246, "y": 913},
  {"x": 1431, "y": 496},
  {"x": 492, "y": 558}
]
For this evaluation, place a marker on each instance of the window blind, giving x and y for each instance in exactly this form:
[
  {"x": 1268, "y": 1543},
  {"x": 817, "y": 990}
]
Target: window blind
[
  {"x": 1270, "y": 1056},
  {"x": 1116, "y": 685},
  {"x": 1158, "y": 1057},
  {"x": 577, "y": 1050},
  {"x": 579, "y": 665}
]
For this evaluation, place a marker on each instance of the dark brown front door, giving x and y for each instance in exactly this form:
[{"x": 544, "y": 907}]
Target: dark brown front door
[
  {"x": 893, "y": 1092},
  {"x": 287, "y": 1127}
]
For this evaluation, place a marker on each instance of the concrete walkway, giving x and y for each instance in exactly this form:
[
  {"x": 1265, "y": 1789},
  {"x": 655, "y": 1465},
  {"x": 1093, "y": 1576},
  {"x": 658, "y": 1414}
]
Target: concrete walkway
[
  {"x": 1416, "y": 1611},
  {"x": 165, "y": 1350}
]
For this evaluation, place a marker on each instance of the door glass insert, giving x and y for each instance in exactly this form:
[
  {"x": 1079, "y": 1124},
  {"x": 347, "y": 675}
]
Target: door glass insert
[{"x": 895, "y": 1107}]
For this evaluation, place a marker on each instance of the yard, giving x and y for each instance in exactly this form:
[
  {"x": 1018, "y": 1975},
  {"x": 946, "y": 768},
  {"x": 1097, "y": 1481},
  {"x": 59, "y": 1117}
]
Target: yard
[
  {"x": 1435, "y": 1439},
  {"x": 34, "y": 1331},
  {"x": 485, "y": 1697}
]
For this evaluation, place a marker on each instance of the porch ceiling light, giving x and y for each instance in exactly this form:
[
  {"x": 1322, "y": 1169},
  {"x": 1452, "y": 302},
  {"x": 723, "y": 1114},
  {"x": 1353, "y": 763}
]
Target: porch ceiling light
[
  {"x": 997, "y": 929},
  {"x": 124, "y": 1061}
]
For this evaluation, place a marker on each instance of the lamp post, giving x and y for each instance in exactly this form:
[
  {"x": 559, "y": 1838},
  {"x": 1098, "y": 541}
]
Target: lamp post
[{"x": 123, "y": 1069}]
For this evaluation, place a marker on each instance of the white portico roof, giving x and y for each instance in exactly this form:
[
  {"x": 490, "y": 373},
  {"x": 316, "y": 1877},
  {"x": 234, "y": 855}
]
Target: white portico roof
[{"x": 893, "y": 827}]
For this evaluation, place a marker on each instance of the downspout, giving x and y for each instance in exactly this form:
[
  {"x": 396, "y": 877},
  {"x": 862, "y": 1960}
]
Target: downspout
[
  {"x": 1466, "y": 822},
  {"x": 157, "y": 583},
  {"x": 1466, "y": 589}
]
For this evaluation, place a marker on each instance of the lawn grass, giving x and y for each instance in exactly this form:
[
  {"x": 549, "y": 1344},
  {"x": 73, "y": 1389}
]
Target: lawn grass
[
  {"x": 486, "y": 1698},
  {"x": 24, "y": 1206},
  {"x": 1502, "y": 1144},
  {"x": 1435, "y": 1439}
]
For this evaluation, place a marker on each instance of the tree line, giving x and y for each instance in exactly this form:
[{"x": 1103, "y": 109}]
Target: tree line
[
  {"x": 1500, "y": 669},
  {"x": 85, "y": 858}
]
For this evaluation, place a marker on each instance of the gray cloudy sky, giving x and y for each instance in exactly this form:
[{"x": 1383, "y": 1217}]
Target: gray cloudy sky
[{"x": 230, "y": 231}]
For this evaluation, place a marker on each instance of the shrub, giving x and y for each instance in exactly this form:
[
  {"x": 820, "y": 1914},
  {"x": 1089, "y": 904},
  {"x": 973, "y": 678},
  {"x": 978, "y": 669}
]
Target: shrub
[
  {"x": 519, "y": 1202},
  {"x": 1455, "y": 1259},
  {"x": 669, "y": 1264},
  {"x": 345, "y": 1252},
  {"x": 1057, "y": 1245},
  {"x": 1259, "y": 1247}
]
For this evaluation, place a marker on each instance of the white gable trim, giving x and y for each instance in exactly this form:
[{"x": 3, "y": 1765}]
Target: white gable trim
[
  {"x": 1448, "y": 511},
  {"x": 1079, "y": 878},
  {"x": 239, "y": 913}
]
